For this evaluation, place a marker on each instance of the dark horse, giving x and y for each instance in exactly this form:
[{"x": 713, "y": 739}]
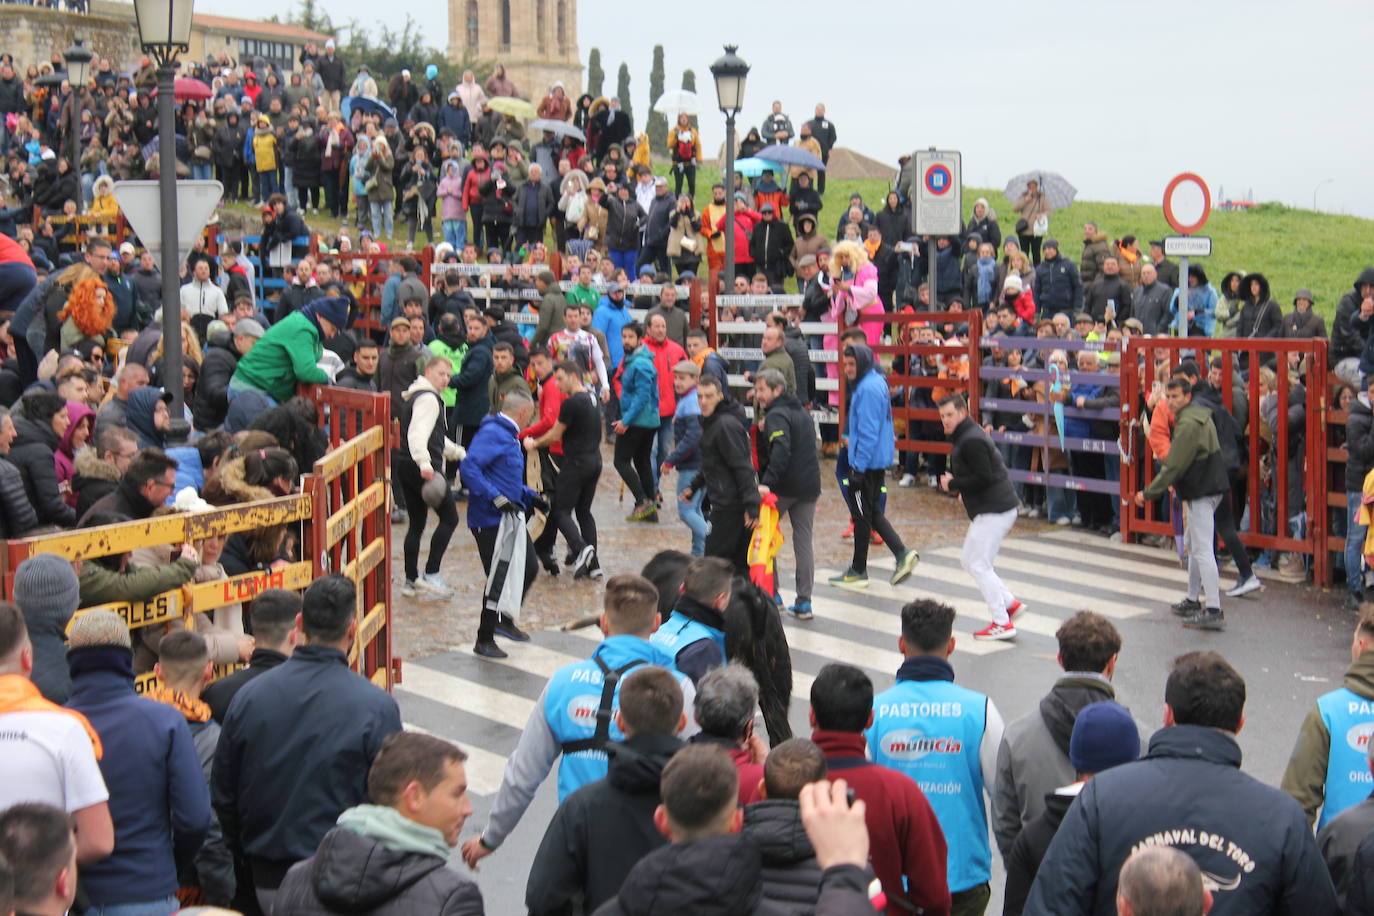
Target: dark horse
[{"x": 754, "y": 636}]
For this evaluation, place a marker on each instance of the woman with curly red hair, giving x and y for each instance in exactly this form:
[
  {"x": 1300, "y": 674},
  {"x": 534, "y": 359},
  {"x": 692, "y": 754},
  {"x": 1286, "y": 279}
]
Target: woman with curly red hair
[{"x": 89, "y": 312}]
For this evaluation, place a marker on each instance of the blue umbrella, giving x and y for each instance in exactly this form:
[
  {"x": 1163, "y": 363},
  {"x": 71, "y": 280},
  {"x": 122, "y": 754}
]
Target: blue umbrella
[
  {"x": 368, "y": 104},
  {"x": 754, "y": 166},
  {"x": 790, "y": 155}
]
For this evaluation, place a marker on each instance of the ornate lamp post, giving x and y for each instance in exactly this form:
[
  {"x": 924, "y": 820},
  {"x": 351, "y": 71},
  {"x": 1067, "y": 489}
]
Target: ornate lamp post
[
  {"x": 164, "y": 30},
  {"x": 730, "y": 72}
]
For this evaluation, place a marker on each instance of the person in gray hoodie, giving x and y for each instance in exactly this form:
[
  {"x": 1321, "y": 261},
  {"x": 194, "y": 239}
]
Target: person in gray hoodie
[
  {"x": 1033, "y": 759},
  {"x": 48, "y": 594}
]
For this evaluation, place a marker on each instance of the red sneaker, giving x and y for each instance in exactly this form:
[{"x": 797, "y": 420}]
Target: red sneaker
[
  {"x": 848, "y": 532},
  {"x": 875, "y": 539},
  {"x": 1015, "y": 608},
  {"x": 996, "y": 631}
]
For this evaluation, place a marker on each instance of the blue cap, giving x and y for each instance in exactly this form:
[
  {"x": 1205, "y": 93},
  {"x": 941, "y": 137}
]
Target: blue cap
[{"x": 1104, "y": 736}]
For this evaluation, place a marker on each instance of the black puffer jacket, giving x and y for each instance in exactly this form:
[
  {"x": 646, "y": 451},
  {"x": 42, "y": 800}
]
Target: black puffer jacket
[
  {"x": 602, "y": 830},
  {"x": 212, "y": 389},
  {"x": 791, "y": 875},
  {"x": 622, "y": 223},
  {"x": 351, "y": 873},
  {"x": 713, "y": 876},
  {"x": 32, "y": 453},
  {"x": 727, "y": 469},
  {"x": 1347, "y": 336},
  {"x": 1262, "y": 318},
  {"x": 1359, "y": 442},
  {"x": 94, "y": 479},
  {"x": 16, "y": 512}
]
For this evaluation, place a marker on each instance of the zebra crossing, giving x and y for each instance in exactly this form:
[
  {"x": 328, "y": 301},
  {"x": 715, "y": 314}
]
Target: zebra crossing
[{"x": 483, "y": 704}]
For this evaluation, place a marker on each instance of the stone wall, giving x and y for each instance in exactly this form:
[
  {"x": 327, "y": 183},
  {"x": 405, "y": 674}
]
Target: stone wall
[{"x": 33, "y": 34}]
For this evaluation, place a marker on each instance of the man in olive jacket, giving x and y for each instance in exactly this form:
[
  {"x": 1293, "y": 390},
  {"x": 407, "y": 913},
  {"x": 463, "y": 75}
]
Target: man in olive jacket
[{"x": 1197, "y": 472}]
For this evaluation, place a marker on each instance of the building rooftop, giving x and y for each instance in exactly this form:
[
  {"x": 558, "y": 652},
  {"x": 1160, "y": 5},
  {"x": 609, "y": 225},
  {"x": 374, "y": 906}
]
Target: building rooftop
[{"x": 256, "y": 27}]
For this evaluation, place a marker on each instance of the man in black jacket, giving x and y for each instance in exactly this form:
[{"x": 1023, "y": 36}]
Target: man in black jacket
[
  {"x": 708, "y": 869},
  {"x": 211, "y": 402},
  {"x": 297, "y": 742},
  {"x": 657, "y": 226},
  {"x": 789, "y": 466},
  {"x": 1351, "y": 326},
  {"x": 980, "y": 478},
  {"x": 791, "y": 875},
  {"x": 727, "y": 473},
  {"x": 273, "y": 615},
  {"x": 1251, "y": 840},
  {"x": 770, "y": 245},
  {"x": 604, "y": 828},
  {"x": 17, "y": 516},
  {"x": 391, "y": 856}
]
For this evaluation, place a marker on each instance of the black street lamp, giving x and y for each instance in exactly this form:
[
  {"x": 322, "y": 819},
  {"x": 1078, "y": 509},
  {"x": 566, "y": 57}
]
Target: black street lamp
[
  {"x": 729, "y": 73},
  {"x": 78, "y": 59},
  {"x": 164, "y": 30}
]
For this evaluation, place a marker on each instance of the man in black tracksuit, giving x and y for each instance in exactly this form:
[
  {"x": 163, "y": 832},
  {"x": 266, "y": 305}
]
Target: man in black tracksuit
[
  {"x": 790, "y": 468},
  {"x": 1252, "y": 841},
  {"x": 770, "y": 246},
  {"x": 727, "y": 472}
]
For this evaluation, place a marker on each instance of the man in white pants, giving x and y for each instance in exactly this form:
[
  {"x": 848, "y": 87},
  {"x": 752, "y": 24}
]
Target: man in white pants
[{"x": 980, "y": 478}]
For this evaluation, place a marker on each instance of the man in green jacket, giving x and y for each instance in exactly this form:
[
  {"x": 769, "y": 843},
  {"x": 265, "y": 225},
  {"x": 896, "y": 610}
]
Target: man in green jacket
[
  {"x": 551, "y": 302},
  {"x": 1197, "y": 473},
  {"x": 505, "y": 377},
  {"x": 287, "y": 354}
]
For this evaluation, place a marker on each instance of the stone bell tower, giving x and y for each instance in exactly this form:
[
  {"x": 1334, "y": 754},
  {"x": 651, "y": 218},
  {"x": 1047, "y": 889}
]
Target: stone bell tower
[{"x": 536, "y": 41}]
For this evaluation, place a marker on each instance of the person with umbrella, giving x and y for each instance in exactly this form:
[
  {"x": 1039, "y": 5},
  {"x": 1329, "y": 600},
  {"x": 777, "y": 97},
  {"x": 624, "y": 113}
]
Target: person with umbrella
[
  {"x": 684, "y": 145},
  {"x": 1035, "y": 220}
]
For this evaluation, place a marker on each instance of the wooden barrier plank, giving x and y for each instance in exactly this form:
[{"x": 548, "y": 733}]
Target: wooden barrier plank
[
  {"x": 144, "y": 682},
  {"x": 207, "y": 596},
  {"x": 349, "y": 453},
  {"x": 168, "y": 529},
  {"x": 379, "y": 677},
  {"x": 157, "y": 609},
  {"x": 343, "y": 521},
  {"x": 371, "y": 557},
  {"x": 368, "y": 629}
]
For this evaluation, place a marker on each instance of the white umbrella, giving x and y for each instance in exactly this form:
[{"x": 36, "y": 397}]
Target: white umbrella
[
  {"x": 1056, "y": 188},
  {"x": 678, "y": 100}
]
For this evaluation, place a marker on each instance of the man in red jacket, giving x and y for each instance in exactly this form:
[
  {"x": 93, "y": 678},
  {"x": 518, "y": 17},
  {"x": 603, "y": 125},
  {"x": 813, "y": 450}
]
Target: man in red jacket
[
  {"x": 551, "y": 458},
  {"x": 667, "y": 354},
  {"x": 906, "y": 842}
]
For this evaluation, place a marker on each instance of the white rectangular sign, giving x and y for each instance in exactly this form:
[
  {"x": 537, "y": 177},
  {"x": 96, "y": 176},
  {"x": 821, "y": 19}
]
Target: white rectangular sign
[
  {"x": 937, "y": 193},
  {"x": 1188, "y": 246}
]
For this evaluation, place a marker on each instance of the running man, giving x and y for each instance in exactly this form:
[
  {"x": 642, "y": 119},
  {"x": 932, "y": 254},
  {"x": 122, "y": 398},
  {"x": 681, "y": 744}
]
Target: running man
[{"x": 980, "y": 478}]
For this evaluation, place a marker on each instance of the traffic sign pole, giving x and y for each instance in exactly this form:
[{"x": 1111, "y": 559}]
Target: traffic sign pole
[{"x": 1185, "y": 230}]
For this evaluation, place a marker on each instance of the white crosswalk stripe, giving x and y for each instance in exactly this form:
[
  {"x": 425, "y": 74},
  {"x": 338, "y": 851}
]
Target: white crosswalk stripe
[{"x": 482, "y": 705}]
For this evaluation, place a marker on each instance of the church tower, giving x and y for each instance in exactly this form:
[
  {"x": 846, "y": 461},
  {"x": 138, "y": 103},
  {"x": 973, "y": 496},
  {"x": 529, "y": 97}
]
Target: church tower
[{"x": 536, "y": 40}]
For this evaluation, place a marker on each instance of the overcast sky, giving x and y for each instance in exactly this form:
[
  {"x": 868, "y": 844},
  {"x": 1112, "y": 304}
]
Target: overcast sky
[{"x": 1257, "y": 96}]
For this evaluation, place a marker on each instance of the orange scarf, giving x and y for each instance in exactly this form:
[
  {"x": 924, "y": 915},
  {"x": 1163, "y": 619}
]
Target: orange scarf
[
  {"x": 18, "y": 694},
  {"x": 1128, "y": 254},
  {"x": 192, "y": 708},
  {"x": 871, "y": 246}
]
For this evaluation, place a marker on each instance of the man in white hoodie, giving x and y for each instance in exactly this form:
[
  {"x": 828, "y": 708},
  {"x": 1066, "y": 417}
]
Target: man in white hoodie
[{"x": 418, "y": 463}]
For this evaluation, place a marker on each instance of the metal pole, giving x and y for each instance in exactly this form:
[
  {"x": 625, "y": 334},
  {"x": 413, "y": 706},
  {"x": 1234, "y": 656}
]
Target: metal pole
[
  {"x": 1182, "y": 297},
  {"x": 729, "y": 206},
  {"x": 171, "y": 295},
  {"x": 74, "y": 141}
]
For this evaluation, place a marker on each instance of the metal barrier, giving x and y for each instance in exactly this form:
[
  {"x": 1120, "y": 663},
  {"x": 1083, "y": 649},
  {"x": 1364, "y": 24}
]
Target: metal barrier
[
  {"x": 910, "y": 440},
  {"x": 342, "y": 509},
  {"x": 1138, "y": 470},
  {"x": 727, "y": 336},
  {"x": 1047, "y": 440}
]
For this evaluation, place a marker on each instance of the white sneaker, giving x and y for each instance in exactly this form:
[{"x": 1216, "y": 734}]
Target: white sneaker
[
  {"x": 434, "y": 584},
  {"x": 1251, "y": 584},
  {"x": 583, "y": 567},
  {"x": 908, "y": 480},
  {"x": 932, "y": 481},
  {"x": 410, "y": 588}
]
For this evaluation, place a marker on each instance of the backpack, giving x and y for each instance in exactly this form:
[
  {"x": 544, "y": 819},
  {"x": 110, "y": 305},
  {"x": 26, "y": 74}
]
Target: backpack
[{"x": 1228, "y": 435}]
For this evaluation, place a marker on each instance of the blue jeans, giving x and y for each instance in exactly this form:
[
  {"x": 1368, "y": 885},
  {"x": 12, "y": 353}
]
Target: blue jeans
[
  {"x": 1354, "y": 543},
  {"x": 625, "y": 260},
  {"x": 382, "y": 225},
  {"x": 267, "y": 184},
  {"x": 1061, "y": 503},
  {"x": 202, "y": 171},
  {"x": 690, "y": 512},
  {"x": 164, "y": 907},
  {"x": 456, "y": 234},
  {"x": 662, "y": 446},
  {"x": 291, "y": 200}
]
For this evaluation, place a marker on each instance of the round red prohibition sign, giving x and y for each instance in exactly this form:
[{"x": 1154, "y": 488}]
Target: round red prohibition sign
[
  {"x": 938, "y": 179},
  {"x": 1175, "y": 185}
]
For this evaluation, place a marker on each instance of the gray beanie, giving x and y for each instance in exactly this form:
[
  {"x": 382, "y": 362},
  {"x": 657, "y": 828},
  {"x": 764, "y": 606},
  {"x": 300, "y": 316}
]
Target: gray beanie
[{"x": 45, "y": 587}]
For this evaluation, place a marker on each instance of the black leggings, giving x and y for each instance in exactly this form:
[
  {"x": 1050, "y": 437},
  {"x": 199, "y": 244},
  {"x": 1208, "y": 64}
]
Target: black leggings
[
  {"x": 574, "y": 489},
  {"x": 1225, "y": 523},
  {"x": 1030, "y": 244},
  {"x": 408, "y": 476},
  {"x": 634, "y": 462},
  {"x": 686, "y": 170},
  {"x": 866, "y": 487}
]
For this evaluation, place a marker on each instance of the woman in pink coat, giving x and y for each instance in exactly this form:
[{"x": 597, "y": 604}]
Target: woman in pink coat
[
  {"x": 853, "y": 292},
  {"x": 76, "y": 437}
]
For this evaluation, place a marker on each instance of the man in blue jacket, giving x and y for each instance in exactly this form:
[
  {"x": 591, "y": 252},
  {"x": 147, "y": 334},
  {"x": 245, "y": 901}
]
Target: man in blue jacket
[
  {"x": 575, "y": 715},
  {"x": 694, "y": 633},
  {"x": 870, "y": 444},
  {"x": 686, "y": 453},
  {"x": 158, "y": 799},
  {"x": 297, "y": 742},
  {"x": 1252, "y": 841},
  {"x": 494, "y": 473}
]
